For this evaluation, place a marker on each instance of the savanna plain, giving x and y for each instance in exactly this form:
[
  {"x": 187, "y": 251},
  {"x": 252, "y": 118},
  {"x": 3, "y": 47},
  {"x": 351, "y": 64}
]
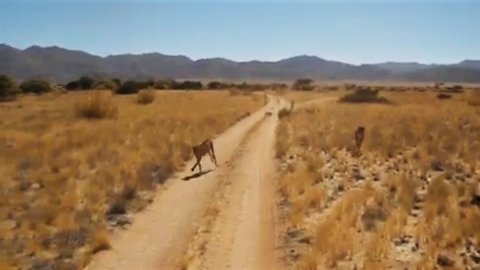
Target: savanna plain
[{"x": 83, "y": 173}]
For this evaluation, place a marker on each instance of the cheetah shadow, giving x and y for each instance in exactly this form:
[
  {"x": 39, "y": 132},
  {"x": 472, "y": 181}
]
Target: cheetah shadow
[{"x": 196, "y": 175}]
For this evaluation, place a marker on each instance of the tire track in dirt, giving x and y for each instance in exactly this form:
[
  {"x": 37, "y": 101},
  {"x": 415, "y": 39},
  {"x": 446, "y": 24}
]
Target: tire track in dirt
[{"x": 160, "y": 235}]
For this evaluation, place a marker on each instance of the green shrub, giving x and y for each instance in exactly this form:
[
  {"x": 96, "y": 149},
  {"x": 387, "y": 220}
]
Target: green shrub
[
  {"x": 185, "y": 85},
  {"x": 215, "y": 85},
  {"x": 129, "y": 87},
  {"x": 145, "y": 96},
  {"x": 364, "y": 95},
  {"x": 304, "y": 84},
  {"x": 73, "y": 85},
  {"x": 36, "y": 86},
  {"x": 85, "y": 83},
  {"x": 251, "y": 87},
  {"x": 8, "y": 88}
]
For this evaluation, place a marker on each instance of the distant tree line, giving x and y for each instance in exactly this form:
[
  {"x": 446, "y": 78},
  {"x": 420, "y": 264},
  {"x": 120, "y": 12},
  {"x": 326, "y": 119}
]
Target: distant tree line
[
  {"x": 134, "y": 86},
  {"x": 9, "y": 88}
]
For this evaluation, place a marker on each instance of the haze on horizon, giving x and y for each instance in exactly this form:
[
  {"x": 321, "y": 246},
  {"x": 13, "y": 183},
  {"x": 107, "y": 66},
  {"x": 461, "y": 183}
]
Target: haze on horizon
[{"x": 353, "y": 32}]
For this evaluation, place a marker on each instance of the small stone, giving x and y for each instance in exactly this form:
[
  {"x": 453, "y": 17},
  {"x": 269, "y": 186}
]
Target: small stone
[
  {"x": 415, "y": 247},
  {"x": 475, "y": 200},
  {"x": 475, "y": 258},
  {"x": 35, "y": 186},
  {"x": 400, "y": 241},
  {"x": 24, "y": 185},
  {"x": 305, "y": 240},
  {"x": 444, "y": 261},
  {"x": 358, "y": 176},
  {"x": 437, "y": 165},
  {"x": 118, "y": 220}
]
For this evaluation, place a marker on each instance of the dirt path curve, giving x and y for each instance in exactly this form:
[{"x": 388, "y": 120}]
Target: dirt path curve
[
  {"x": 244, "y": 235},
  {"x": 160, "y": 235}
]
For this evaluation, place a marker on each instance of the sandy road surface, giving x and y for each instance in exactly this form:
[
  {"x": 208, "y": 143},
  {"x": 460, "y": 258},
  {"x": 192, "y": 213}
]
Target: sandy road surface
[
  {"x": 244, "y": 235},
  {"x": 161, "y": 234}
]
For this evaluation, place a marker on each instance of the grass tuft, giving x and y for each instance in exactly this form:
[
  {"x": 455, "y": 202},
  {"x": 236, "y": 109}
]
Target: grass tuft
[
  {"x": 97, "y": 105},
  {"x": 145, "y": 96}
]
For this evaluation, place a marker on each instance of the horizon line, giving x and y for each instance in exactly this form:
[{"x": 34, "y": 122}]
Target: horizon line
[{"x": 233, "y": 60}]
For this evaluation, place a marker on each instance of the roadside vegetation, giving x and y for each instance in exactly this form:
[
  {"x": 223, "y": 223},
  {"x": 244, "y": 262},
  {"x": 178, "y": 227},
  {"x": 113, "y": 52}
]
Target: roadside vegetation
[
  {"x": 77, "y": 165},
  {"x": 364, "y": 95},
  {"x": 410, "y": 201}
]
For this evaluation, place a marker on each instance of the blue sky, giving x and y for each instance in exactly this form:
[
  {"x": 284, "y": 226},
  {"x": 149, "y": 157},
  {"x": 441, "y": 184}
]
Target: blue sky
[{"x": 348, "y": 31}]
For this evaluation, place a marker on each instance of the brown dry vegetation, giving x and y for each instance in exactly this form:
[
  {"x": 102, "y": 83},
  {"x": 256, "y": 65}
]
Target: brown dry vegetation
[
  {"x": 299, "y": 96},
  {"x": 405, "y": 203},
  {"x": 145, "y": 96},
  {"x": 71, "y": 169}
]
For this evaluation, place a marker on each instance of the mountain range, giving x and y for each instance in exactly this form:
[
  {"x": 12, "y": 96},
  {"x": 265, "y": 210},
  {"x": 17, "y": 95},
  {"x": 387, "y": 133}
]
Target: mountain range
[{"x": 62, "y": 65}]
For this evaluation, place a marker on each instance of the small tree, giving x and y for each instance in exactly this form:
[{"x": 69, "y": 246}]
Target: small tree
[
  {"x": 36, "y": 86},
  {"x": 8, "y": 87},
  {"x": 364, "y": 95},
  {"x": 193, "y": 85},
  {"x": 187, "y": 85},
  {"x": 303, "y": 84},
  {"x": 86, "y": 83},
  {"x": 73, "y": 85},
  {"x": 128, "y": 87}
]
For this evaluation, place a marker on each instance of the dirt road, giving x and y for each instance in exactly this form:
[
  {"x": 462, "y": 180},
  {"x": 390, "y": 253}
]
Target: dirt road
[{"x": 242, "y": 234}]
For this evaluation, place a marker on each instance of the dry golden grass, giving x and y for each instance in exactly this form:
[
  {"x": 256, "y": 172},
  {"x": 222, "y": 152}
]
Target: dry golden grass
[
  {"x": 62, "y": 174},
  {"x": 100, "y": 241},
  {"x": 417, "y": 120},
  {"x": 419, "y": 165},
  {"x": 300, "y": 96},
  {"x": 474, "y": 98}
]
